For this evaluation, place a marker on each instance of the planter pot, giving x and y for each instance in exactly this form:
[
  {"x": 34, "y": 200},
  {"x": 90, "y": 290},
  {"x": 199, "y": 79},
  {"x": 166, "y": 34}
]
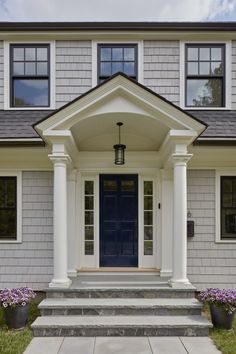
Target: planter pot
[
  {"x": 220, "y": 318},
  {"x": 16, "y": 317}
]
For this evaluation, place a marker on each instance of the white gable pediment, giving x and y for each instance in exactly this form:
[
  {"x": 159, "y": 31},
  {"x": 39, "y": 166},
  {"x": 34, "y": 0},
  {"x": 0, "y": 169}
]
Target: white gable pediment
[{"x": 92, "y": 118}]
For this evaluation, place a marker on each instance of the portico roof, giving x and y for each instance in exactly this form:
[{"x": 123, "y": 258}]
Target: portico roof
[{"x": 147, "y": 117}]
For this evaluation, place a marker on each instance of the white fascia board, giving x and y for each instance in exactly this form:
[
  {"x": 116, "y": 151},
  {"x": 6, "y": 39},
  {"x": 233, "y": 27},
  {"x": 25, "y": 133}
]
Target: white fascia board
[
  {"x": 20, "y": 139},
  {"x": 182, "y": 134},
  {"x": 185, "y": 137},
  {"x": 217, "y": 139},
  {"x": 57, "y": 133},
  {"x": 102, "y": 35},
  {"x": 161, "y": 110}
]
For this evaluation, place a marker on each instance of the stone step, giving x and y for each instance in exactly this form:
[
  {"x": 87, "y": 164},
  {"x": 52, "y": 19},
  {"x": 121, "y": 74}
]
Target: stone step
[
  {"x": 111, "y": 307},
  {"x": 147, "y": 292},
  {"x": 93, "y": 326}
]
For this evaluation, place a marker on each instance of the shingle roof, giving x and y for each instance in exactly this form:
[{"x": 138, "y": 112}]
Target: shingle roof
[
  {"x": 15, "y": 124},
  {"x": 221, "y": 124}
]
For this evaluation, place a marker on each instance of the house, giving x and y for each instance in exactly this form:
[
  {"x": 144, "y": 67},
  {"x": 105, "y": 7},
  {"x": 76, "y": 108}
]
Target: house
[{"x": 65, "y": 205}]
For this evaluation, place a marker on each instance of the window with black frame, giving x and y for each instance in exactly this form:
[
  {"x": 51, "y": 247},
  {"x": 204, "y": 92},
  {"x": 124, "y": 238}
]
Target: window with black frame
[
  {"x": 8, "y": 208},
  {"x": 228, "y": 207},
  {"x": 113, "y": 58},
  {"x": 205, "y": 75},
  {"x": 30, "y": 86}
]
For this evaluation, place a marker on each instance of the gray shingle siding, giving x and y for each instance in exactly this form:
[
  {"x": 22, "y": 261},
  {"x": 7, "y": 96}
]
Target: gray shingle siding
[
  {"x": 210, "y": 264},
  {"x": 161, "y": 68},
  {"x": 1, "y": 74},
  {"x": 73, "y": 70},
  {"x": 233, "y": 80},
  {"x": 30, "y": 262}
]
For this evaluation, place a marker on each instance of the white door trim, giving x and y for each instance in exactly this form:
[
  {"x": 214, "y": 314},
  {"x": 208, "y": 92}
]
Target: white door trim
[{"x": 92, "y": 261}]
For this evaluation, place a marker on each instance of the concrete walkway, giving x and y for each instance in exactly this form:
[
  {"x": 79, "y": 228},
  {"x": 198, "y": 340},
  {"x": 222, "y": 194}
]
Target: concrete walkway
[{"x": 121, "y": 345}]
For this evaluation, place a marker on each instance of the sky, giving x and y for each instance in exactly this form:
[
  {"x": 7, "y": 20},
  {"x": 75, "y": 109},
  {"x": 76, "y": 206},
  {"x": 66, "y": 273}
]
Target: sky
[{"x": 118, "y": 10}]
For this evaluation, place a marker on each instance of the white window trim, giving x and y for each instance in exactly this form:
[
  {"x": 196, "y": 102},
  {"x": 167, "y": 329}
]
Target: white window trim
[
  {"x": 95, "y": 61},
  {"x": 18, "y": 175},
  {"x": 220, "y": 173},
  {"x": 149, "y": 261},
  {"x": 228, "y": 100},
  {"x": 7, "y": 78},
  {"x": 90, "y": 260}
]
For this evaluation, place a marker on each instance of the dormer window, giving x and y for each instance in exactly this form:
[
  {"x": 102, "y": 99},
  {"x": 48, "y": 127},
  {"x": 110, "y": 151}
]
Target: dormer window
[
  {"x": 113, "y": 58},
  {"x": 205, "y": 75},
  {"x": 29, "y": 68}
]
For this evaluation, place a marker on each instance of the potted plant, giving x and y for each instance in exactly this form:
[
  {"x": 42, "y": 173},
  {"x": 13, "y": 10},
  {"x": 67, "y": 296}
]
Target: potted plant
[
  {"x": 222, "y": 303},
  {"x": 15, "y": 303}
]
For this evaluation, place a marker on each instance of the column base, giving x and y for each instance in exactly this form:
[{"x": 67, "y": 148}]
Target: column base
[
  {"x": 180, "y": 283},
  {"x": 60, "y": 283}
]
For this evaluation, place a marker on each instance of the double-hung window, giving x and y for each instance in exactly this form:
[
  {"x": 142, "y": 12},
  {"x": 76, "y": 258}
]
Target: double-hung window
[
  {"x": 8, "y": 208},
  {"x": 228, "y": 207},
  {"x": 113, "y": 58},
  {"x": 29, "y": 70},
  {"x": 205, "y": 75}
]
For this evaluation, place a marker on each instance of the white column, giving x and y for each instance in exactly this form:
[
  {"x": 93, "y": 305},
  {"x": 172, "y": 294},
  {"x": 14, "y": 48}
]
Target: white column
[
  {"x": 166, "y": 223},
  {"x": 179, "y": 275},
  {"x": 60, "y": 278},
  {"x": 73, "y": 246}
]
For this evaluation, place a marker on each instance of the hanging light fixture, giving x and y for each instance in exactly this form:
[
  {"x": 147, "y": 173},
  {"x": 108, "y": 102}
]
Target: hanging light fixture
[{"x": 119, "y": 149}]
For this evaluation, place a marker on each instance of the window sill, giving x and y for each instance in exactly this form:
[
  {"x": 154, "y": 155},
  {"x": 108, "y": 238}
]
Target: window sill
[
  {"x": 206, "y": 108},
  {"x": 13, "y": 241},
  {"x": 225, "y": 241},
  {"x": 29, "y": 108}
]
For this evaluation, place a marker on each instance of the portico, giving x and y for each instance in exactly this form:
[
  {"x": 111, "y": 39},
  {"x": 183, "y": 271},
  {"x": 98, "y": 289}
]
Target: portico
[{"x": 157, "y": 135}]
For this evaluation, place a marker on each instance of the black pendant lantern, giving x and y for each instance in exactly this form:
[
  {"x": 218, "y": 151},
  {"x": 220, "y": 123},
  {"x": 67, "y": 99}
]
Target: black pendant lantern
[{"x": 119, "y": 150}]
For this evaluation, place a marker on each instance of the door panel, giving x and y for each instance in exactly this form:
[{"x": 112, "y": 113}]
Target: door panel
[{"x": 118, "y": 220}]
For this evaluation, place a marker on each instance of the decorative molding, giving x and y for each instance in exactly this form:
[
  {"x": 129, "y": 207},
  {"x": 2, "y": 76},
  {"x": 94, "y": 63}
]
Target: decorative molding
[
  {"x": 181, "y": 159},
  {"x": 60, "y": 158}
]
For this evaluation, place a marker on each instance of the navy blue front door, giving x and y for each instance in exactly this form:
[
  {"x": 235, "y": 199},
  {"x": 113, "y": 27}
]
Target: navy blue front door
[{"x": 118, "y": 220}]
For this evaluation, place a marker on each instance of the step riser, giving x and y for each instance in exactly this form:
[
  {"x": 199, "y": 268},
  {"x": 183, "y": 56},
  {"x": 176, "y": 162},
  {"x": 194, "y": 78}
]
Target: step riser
[
  {"x": 121, "y": 311},
  {"x": 120, "y": 331},
  {"x": 145, "y": 294}
]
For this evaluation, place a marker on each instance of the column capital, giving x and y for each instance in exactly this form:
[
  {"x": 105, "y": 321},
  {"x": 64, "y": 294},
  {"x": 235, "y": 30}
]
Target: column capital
[
  {"x": 180, "y": 159},
  {"x": 60, "y": 158}
]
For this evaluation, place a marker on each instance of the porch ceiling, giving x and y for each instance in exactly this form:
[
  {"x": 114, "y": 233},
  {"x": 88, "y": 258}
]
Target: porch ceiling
[{"x": 100, "y": 133}]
